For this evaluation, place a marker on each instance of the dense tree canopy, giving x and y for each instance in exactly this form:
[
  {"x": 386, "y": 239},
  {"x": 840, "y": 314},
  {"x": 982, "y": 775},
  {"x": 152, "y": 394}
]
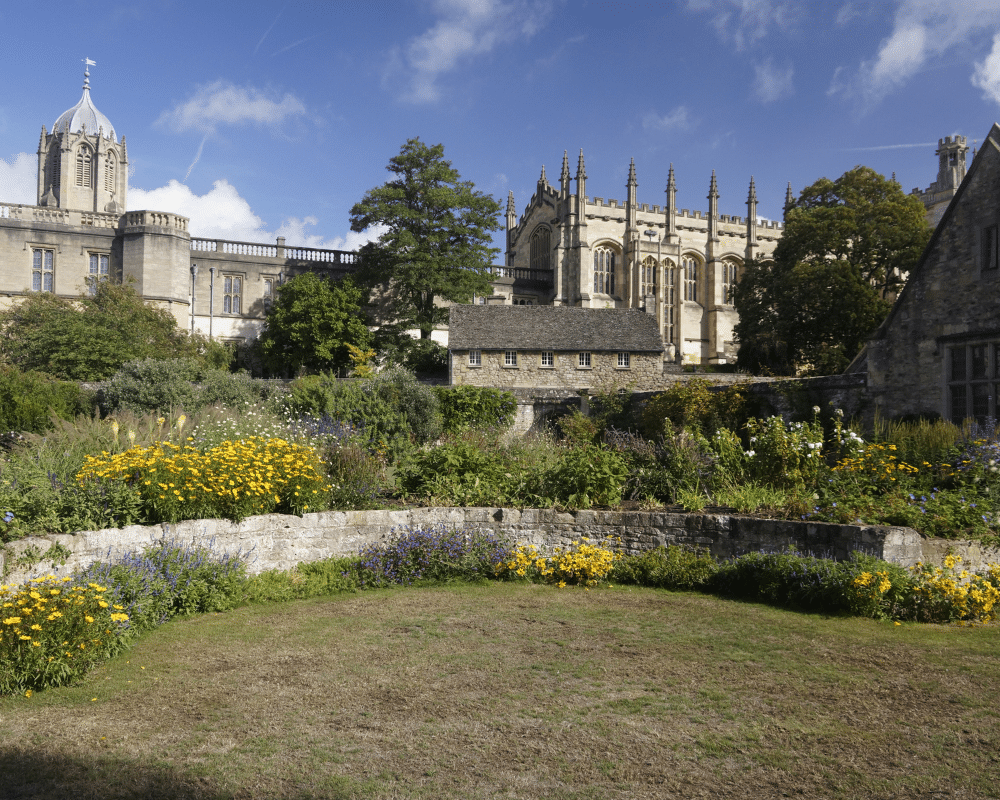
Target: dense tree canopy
[
  {"x": 436, "y": 239},
  {"x": 844, "y": 255},
  {"x": 89, "y": 338},
  {"x": 310, "y": 324}
]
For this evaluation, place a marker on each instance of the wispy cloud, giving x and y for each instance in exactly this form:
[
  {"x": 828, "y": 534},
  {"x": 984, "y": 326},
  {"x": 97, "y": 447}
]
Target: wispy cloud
[
  {"x": 772, "y": 83},
  {"x": 887, "y": 147},
  {"x": 678, "y": 119},
  {"x": 465, "y": 29},
  {"x": 224, "y": 213},
  {"x": 19, "y": 179},
  {"x": 922, "y": 31},
  {"x": 987, "y": 74},
  {"x": 223, "y": 103},
  {"x": 743, "y": 23}
]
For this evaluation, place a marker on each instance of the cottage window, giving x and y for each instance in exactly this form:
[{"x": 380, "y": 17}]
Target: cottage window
[
  {"x": 973, "y": 381},
  {"x": 584, "y": 361},
  {"x": 548, "y": 359},
  {"x": 42, "y": 270},
  {"x": 510, "y": 358},
  {"x": 475, "y": 358},
  {"x": 624, "y": 361},
  {"x": 232, "y": 294}
]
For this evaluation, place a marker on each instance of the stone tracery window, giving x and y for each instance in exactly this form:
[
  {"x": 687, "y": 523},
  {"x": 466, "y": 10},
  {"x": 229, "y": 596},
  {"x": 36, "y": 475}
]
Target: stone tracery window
[
  {"x": 648, "y": 270},
  {"x": 690, "y": 268},
  {"x": 84, "y": 167},
  {"x": 669, "y": 299},
  {"x": 729, "y": 278},
  {"x": 540, "y": 247},
  {"x": 604, "y": 270}
]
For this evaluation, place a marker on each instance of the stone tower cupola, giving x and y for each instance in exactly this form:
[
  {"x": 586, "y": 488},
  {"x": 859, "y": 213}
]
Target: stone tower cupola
[{"x": 81, "y": 165}]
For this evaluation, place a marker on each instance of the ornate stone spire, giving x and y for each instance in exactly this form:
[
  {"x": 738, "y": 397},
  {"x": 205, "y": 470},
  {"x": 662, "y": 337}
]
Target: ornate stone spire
[
  {"x": 581, "y": 178},
  {"x": 511, "y": 211},
  {"x": 789, "y": 199},
  {"x": 670, "y": 210},
  {"x": 751, "y": 220},
  {"x": 713, "y": 208},
  {"x": 564, "y": 176}
]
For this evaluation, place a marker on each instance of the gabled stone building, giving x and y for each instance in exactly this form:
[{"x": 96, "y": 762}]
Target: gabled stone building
[
  {"x": 938, "y": 352},
  {"x": 568, "y": 249},
  {"x": 553, "y": 347}
]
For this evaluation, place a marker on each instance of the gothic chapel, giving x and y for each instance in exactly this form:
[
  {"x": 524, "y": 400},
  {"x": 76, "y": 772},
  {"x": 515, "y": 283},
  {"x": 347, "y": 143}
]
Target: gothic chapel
[{"x": 676, "y": 265}]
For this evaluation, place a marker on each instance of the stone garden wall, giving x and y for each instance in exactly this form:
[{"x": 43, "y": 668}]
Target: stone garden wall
[{"x": 281, "y": 542}]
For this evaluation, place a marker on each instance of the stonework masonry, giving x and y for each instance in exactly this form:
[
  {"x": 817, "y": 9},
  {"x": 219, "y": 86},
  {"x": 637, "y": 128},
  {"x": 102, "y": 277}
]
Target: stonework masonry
[{"x": 281, "y": 542}]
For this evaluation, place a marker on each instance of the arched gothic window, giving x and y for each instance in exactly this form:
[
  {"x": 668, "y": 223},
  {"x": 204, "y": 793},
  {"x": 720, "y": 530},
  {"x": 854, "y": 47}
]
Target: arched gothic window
[
  {"x": 604, "y": 271},
  {"x": 540, "y": 247},
  {"x": 689, "y": 265},
  {"x": 728, "y": 280},
  {"x": 109, "y": 175},
  {"x": 669, "y": 299},
  {"x": 649, "y": 274},
  {"x": 84, "y": 167}
]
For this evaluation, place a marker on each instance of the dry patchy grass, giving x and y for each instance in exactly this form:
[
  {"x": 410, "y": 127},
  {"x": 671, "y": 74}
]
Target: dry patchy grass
[{"x": 514, "y": 691}]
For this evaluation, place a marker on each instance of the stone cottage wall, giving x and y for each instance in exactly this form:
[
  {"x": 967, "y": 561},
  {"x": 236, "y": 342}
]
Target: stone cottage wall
[{"x": 645, "y": 371}]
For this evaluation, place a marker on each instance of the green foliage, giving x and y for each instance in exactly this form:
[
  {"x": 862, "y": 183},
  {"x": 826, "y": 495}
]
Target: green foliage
[
  {"x": 784, "y": 455},
  {"x": 329, "y": 576},
  {"x": 841, "y": 260},
  {"x": 587, "y": 475},
  {"x": 436, "y": 239},
  {"x": 474, "y": 407},
  {"x": 578, "y": 428},
  {"x": 310, "y": 324},
  {"x": 166, "y": 385},
  {"x": 391, "y": 412},
  {"x": 674, "y": 568},
  {"x": 357, "y": 477},
  {"x": 803, "y": 581},
  {"x": 694, "y": 404},
  {"x": 29, "y": 400},
  {"x": 89, "y": 338}
]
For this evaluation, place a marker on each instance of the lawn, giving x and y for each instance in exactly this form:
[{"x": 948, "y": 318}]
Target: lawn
[{"x": 519, "y": 691}]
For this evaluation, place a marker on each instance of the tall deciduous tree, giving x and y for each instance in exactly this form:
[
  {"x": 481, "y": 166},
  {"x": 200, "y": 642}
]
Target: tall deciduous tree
[
  {"x": 846, "y": 250},
  {"x": 89, "y": 338},
  {"x": 436, "y": 243},
  {"x": 311, "y": 323}
]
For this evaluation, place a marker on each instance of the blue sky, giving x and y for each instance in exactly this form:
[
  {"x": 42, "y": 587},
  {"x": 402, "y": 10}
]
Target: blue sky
[{"x": 263, "y": 119}]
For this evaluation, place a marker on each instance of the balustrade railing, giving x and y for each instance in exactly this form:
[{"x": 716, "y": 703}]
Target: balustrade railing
[
  {"x": 523, "y": 274},
  {"x": 309, "y": 254}
]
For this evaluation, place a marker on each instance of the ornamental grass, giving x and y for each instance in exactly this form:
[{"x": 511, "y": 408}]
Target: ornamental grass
[
  {"x": 53, "y": 631},
  {"x": 232, "y": 480}
]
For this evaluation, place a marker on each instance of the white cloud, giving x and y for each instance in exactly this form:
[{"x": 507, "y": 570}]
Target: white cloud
[
  {"x": 987, "y": 74},
  {"x": 743, "y": 23},
  {"x": 223, "y": 103},
  {"x": 19, "y": 179},
  {"x": 222, "y": 213},
  {"x": 772, "y": 83},
  {"x": 465, "y": 29},
  {"x": 671, "y": 121},
  {"x": 922, "y": 30}
]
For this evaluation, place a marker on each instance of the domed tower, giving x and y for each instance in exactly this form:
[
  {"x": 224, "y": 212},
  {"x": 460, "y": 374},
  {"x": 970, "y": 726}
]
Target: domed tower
[{"x": 81, "y": 164}]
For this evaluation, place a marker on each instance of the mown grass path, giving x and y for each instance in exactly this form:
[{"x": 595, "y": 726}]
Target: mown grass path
[{"x": 518, "y": 691}]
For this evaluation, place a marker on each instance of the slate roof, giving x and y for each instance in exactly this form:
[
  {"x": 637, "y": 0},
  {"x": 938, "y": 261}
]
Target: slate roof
[{"x": 556, "y": 328}]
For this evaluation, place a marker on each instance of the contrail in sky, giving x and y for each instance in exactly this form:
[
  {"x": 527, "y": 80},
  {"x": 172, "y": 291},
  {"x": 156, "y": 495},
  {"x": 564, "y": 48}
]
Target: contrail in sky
[
  {"x": 262, "y": 38},
  {"x": 889, "y": 147},
  {"x": 196, "y": 157},
  {"x": 293, "y": 44}
]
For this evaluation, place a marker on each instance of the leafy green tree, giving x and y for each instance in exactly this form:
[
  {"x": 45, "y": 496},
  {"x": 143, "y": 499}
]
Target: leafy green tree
[
  {"x": 846, "y": 250},
  {"x": 90, "y": 337},
  {"x": 311, "y": 323},
  {"x": 436, "y": 240}
]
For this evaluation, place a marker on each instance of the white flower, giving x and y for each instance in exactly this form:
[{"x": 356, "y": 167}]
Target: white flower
[
  {"x": 750, "y": 453},
  {"x": 815, "y": 409}
]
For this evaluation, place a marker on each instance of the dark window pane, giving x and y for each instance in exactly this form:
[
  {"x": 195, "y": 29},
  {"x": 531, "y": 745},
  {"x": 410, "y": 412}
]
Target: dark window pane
[
  {"x": 958, "y": 410},
  {"x": 980, "y": 401},
  {"x": 958, "y": 363},
  {"x": 979, "y": 360}
]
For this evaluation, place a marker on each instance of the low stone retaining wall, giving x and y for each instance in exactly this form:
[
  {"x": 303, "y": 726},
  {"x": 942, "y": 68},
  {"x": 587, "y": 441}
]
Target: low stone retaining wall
[{"x": 281, "y": 542}]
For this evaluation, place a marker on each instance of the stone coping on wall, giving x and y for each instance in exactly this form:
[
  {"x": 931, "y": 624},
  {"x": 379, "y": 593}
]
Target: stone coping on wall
[{"x": 281, "y": 541}]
